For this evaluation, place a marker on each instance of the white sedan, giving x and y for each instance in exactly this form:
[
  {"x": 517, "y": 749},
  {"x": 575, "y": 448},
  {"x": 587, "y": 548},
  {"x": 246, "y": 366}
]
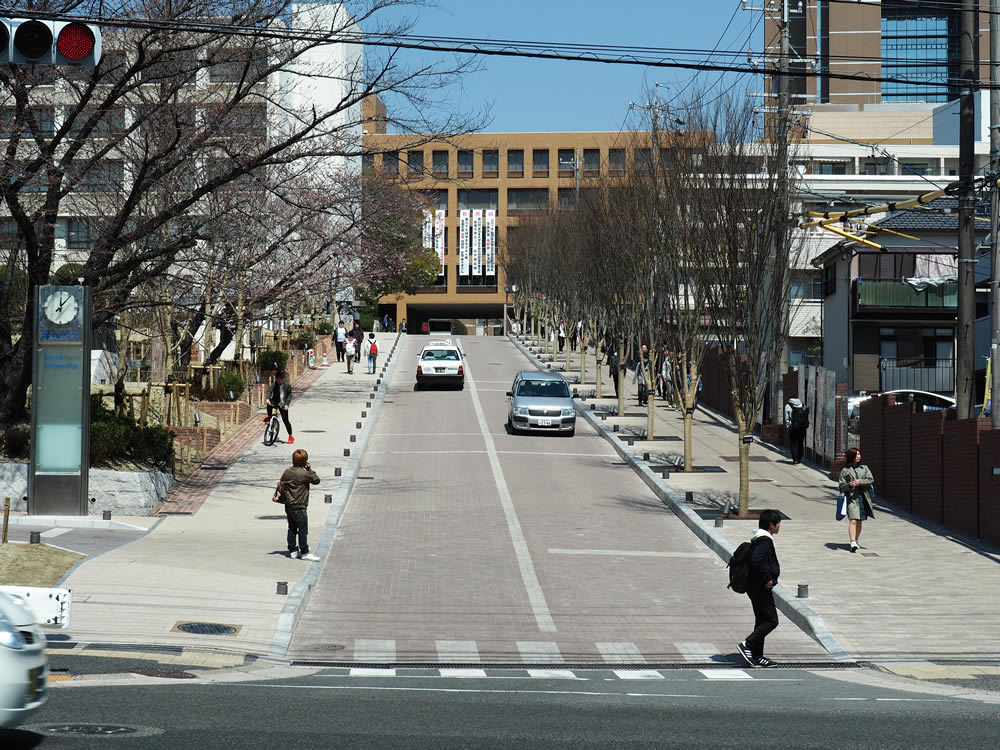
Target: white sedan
[
  {"x": 24, "y": 668},
  {"x": 441, "y": 362}
]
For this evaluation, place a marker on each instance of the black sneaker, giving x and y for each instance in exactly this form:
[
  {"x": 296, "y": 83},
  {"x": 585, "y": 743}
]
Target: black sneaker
[
  {"x": 764, "y": 662},
  {"x": 854, "y": 546},
  {"x": 745, "y": 652}
]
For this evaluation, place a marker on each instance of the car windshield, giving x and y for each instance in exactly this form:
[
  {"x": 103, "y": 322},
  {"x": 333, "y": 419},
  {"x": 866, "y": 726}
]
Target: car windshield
[
  {"x": 441, "y": 355},
  {"x": 543, "y": 388}
]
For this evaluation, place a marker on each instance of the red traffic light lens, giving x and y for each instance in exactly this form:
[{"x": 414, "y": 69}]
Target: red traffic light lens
[
  {"x": 33, "y": 39},
  {"x": 75, "y": 42}
]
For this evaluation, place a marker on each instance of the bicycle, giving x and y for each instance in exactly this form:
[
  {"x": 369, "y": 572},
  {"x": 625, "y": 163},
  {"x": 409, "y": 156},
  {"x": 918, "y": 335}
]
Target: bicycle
[{"x": 272, "y": 428}]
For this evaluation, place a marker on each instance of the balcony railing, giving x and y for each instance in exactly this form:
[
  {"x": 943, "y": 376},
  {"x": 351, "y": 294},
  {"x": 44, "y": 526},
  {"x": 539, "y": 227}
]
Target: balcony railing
[
  {"x": 881, "y": 293},
  {"x": 918, "y": 373}
]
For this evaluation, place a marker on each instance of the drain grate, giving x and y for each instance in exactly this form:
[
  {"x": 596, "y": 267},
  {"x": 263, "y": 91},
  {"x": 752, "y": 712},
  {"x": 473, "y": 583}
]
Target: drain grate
[{"x": 206, "y": 628}]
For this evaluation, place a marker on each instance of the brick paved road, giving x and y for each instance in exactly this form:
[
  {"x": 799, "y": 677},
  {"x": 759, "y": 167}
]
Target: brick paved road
[{"x": 461, "y": 543}]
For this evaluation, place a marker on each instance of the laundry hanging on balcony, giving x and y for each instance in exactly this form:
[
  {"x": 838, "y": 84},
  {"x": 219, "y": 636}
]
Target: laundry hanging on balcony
[{"x": 933, "y": 270}]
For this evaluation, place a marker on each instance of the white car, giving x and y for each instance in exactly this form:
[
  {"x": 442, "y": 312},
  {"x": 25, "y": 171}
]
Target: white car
[
  {"x": 441, "y": 362},
  {"x": 24, "y": 668},
  {"x": 930, "y": 401}
]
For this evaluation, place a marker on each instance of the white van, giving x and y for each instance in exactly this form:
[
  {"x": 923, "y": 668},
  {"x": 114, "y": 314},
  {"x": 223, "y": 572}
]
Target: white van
[{"x": 24, "y": 667}]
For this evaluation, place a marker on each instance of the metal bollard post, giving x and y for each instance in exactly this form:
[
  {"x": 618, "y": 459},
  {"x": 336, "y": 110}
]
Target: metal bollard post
[
  {"x": 35, "y": 537},
  {"x": 803, "y": 591},
  {"x": 106, "y": 515},
  {"x": 347, "y": 451},
  {"x": 357, "y": 425},
  {"x": 282, "y": 588},
  {"x": 718, "y": 523},
  {"x": 689, "y": 497},
  {"x": 354, "y": 438},
  {"x": 336, "y": 472},
  {"x": 645, "y": 456},
  {"x": 364, "y": 415}
]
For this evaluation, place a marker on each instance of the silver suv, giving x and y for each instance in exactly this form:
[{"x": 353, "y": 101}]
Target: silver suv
[{"x": 541, "y": 401}]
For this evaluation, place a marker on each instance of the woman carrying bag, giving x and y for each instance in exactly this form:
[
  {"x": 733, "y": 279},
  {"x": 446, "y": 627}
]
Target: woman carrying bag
[{"x": 857, "y": 485}]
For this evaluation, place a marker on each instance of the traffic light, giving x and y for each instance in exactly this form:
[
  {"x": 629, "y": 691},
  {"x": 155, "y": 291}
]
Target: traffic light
[{"x": 26, "y": 41}]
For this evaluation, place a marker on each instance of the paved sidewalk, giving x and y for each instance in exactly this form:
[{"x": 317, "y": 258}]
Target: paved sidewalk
[
  {"x": 220, "y": 561},
  {"x": 916, "y": 591}
]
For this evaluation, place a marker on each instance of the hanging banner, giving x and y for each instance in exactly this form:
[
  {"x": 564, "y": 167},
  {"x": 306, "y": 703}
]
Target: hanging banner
[
  {"x": 988, "y": 398},
  {"x": 428, "y": 238},
  {"x": 463, "y": 242},
  {"x": 491, "y": 242},
  {"x": 439, "y": 238},
  {"x": 477, "y": 242}
]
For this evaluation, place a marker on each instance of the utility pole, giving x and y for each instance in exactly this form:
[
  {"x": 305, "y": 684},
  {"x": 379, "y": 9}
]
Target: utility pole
[
  {"x": 965, "y": 369},
  {"x": 994, "y": 209},
  {"x": 782, "y": 134}
]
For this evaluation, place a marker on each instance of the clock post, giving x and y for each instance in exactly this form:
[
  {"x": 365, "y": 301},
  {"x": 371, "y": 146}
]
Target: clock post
[{"x": 60, "y": 402}]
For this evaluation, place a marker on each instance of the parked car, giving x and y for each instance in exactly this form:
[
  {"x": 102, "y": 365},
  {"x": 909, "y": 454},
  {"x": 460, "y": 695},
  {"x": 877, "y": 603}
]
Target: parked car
[
  {"x": 541, "y": 401},
  {"x": 930, "y": 401},
  {"x": 24, "y": 667},
  {"x": 441, "y": 362}
]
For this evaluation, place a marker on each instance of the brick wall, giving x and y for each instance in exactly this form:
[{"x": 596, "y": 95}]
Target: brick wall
[
  {"x": 198, "y": 439},
  {"x": 989, "y": 486},
  {"x": 229, "y": 414},
  {"x": 926, "y": 431},
  {"x": 896, "y": 474}
]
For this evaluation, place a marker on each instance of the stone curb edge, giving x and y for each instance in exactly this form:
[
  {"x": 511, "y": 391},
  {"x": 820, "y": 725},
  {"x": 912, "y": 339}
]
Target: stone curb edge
[
  {"x": 298, "y": 596},
  {"x": 796, "y": 611}
]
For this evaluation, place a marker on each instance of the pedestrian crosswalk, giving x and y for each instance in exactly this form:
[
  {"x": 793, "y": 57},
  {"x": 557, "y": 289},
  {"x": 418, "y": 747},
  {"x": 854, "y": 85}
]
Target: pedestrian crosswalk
[{"x": 539, "y": 674}]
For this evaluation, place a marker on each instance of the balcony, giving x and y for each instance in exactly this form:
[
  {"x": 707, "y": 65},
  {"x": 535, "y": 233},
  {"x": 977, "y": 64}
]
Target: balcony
[
  {"x": 917, "y": 373},
  {"x": 883, "y": 294}
]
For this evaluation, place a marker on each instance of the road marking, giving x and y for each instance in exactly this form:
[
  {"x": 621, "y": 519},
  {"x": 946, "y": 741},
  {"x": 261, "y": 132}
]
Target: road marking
[
  {"x": 725, "y": 674},
  {"x": 463, "y": 673},
  {"x": 457, "y": 651},
  {"x": 554, "y": 674},
  {"x": 625, "y": 553},
  {"x": 551, "y": 453},
  {"x": 372, "y": 672},
  {"x": 540, "y": 652},
  {"x": 543, "y": 617},
  {"x": 460, "y": 690},
  {"x": 638, "y": 674},
  {"x": 696, "y": 652},
  {"x": 55, "y": 532},
  {"x": 366, "y": 649},
  {"x": 620, "y": 653},
  {"x": 398, "y": 453}
]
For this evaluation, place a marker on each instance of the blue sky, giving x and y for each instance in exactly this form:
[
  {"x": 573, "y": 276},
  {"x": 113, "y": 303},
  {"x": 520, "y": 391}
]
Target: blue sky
[{"x": 544, "y": 95}]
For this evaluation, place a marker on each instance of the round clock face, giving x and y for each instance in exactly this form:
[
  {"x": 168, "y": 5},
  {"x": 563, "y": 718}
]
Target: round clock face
[{"x": 60, "y": 307}]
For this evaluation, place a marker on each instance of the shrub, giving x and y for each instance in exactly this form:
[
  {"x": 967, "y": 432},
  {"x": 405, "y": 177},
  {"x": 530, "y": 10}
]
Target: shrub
[
  {"x": 325, "y": 327},
  {"x": 152, "y": 445},
  {"x": 272, "y": 360},
  {"x": 232, "y": 383},
  {"x": 115, "y": 438},
  {"x": 306, "y": 340},
  {"x": 109, "y": 441},
  {"x": 17, "y": 441},
  {"x": 458, "y": 328}
]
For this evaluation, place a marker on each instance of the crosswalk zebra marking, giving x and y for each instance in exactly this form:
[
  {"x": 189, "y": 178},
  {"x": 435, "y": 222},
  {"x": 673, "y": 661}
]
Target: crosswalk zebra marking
[
  {"x": 638, "y": 674},
  {"x": 725, "y": 674},
  {"x": 554, "y": 674},
  {"x": 457, "y": 652},
  {"x": 695, "y": 651},
  {"x": 540, "y": 652},
  {"x": 620, "y": 653},
  {"x": 374, "y": 650},
  {"x": 372, "y": 672}
]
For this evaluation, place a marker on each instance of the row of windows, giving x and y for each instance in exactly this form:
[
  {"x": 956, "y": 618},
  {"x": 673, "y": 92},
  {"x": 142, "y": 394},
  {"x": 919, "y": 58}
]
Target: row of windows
[
  {"x": 108, "y": 175},
  {"x": 518, "y": 199},
  {"x": 567, "y": 162}
]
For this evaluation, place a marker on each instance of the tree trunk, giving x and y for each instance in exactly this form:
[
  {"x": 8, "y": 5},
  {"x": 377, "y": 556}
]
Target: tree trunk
[
  {"x": 597, "y": 367},
  {"x": 241, "y": 324},
  {"x": 583, "y": 355},
  {"x": 17, "y": 379},
  {"x": 621, "y": 378},
  {"x": 744, "y": 453}
]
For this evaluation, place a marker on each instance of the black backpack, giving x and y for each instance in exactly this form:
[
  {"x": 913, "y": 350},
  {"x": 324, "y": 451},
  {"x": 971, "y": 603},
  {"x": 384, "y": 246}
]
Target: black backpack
[
  {"x": 800, "y": 419},
  {"x": 739, "y": 568}
]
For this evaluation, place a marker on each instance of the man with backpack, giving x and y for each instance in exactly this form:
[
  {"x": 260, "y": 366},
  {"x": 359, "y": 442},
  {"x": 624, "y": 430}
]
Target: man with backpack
[
  {"x": 760, "y": 574},
  {"x": 371, "y": 349},
  {"x": 797, "y": 422}
]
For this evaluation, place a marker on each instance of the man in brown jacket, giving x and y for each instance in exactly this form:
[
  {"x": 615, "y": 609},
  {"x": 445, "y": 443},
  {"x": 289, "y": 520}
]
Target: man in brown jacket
[{"x": 297, "y": 479}]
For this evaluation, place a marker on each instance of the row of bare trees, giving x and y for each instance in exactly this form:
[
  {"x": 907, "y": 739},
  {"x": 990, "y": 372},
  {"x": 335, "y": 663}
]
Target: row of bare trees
[
  {"x": 690, "y": 249},
  {"x": 212, "y": 175}
]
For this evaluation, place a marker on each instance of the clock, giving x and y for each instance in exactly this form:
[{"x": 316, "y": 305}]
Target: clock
[{"x": 60, "y": 308}]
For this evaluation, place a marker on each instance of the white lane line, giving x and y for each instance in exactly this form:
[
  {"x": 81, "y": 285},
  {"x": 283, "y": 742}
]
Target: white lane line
[
  {"x": 397, "y": 453},
  {"x": 638, "y": 674},
  {"x": 620, "y": 653},
  {"x": 539, "y": 652},
  {"x": 425, "y": 434},
  {"x": 554, "y": 674},
  {"x": 696, "y": 651},
  {"x": 366, "y": 649},
  {"x": 463, "y": 673},
  {"x": 551, "y": 453},
  {"x": 625, "y": 553},
  {"x": 371, "y": 672},
  {"x": 543, "y": 617},
  {"x": 457, "y": 651},
  {"x": 725, "y": 674},
  {"x": 55, "y": 532},
  {"x": 463, "y": 690}
]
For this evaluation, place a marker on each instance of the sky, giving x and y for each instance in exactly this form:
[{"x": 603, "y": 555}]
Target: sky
[{"x": 526, "y": 95}]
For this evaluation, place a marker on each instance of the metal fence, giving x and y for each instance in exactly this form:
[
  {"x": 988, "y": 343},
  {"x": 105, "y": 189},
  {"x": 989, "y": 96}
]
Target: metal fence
[{"x": 919, "y": 373}]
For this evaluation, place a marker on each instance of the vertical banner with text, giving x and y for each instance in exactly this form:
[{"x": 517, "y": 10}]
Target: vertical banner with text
[
  {"x": 428, "y": 237},
  {"x": 463, "y": 242},
  {"x": 439, "y": 238},
  {"x": 491, "y": 242},
  {"x": 477, "y": 242}
]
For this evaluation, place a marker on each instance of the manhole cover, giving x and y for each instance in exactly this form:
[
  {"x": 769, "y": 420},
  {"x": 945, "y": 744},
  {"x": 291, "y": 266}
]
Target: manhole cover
[
  {"x": 330, "y": 647},
  {"x": 93, "y": 730},
  {"x": 174, "y": 674},
  {"x": 206, "y": 628}
]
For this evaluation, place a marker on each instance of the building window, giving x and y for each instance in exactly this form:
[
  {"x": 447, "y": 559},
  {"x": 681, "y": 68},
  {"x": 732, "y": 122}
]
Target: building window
[
  {"x": 643, "y": 159},
  {"x": 515, "y": 162},
  {"x": 390, "y": 164},
  {"x": 465, "y": 158},
  {"x": 367, "y": 161},
  {"x": 914, "y": 168},
  {"x": 591, "y": 162},
  {"x": 80, "y": 234},
  {"x": 527, "y": 199},
  {"x": 837, "y": 167},
  {"x": 919, "y": 45},
  {"x": 568, "y": 199},
  {"x": 439, "y": 163},
  {"x": 237, "y": 65},
  {"x": 877, "y": 167},
  {"x": 540, "y": 162},
  {"x": 415, "y": 162},
  {"x": 477, "y": 199},
  {"x": 829, "y": 279},
  {"x": 104, "y": 176},
  {"x": 491, "y": 163},
  {"x": 616, "y": 161},
  {"x": 437, "y": 199},
  {"x": 567, "y": 162}
]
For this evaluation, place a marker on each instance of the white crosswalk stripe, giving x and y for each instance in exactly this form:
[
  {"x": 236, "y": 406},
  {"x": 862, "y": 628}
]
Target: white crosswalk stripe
[
  {"x": 465, "y": 652},
  {"x": 620, "y": 653},
  {"x": 540, "y": 652},
  {"x": 373, "y": 650},
  {"x": 695, "y": 651}
]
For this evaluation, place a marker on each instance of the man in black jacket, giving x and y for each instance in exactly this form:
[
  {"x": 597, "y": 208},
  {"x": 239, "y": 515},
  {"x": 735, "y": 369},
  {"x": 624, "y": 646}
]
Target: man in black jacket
[{"x": 764, "y": 572}]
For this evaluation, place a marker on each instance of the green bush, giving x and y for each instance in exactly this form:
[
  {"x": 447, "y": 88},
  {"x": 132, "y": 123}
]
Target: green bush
[
  {"x": 325, "y": 327},
  {"x": 458, "y": 328},
  {"x": 109, "y": 441},
  {"x": 114, "y": 438},
  {"x": 306, "y": 340},
  {"x": 231, "y": 382},
  {"x": 152, "y": 445},
  {"x": 272, "y": 360},
  {"x": 17, "y": 441}
]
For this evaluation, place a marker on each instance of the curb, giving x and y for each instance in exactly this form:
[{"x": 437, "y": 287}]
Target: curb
[
  {"x": 298, "y": 595},
  {"x": 795, "y": 610},
  {"x": 75, "y": 522}
]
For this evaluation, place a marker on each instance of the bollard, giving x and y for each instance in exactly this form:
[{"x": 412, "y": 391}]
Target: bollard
[
  {"x": 645, "y": 456},
  {"x": 347, "y": 451},
  {"x": 378, "y": 381},
  {"x": 630, "y": 440},
  {"x": 328, "y": 498},
  {"x": 106, "y": 515},
  {"x": 665, "y": 473},
  {"x": 689, "y": 497},
  {"x": 604, "y": 417},
  {"x": 364, "y": 415},
  {"x": 357, "y": 425},
  {"x": 282, "y": 588},
  {"x": 803, "y": 591},
  {"x": 336, "y": 472},
  {"x": 593, "y": 406},
  {"x": 728, "y": 509},
  {"x": 368, "y": 404},
  {"x": 354, "y": 438},
  {"x": 614, "y": 428},
  {"x": 718, "y": 523},
  {"x": 35, "y": 537}
]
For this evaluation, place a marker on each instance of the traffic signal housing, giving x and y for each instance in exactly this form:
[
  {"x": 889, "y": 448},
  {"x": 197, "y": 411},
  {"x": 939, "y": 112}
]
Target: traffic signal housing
[{"x": 30, "y": 41}]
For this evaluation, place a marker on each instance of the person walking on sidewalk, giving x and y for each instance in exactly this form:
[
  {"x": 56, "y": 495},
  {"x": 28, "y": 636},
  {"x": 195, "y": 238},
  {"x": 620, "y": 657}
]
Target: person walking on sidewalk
[
  {"x": 341, "y": 337},
  {"x": 764, "y": 572},
  {"x": 640, "y": 375},
  {"x": 279, "y": 398},
  {"x": 350, "y": 349},
  {"x": 562, "y": 336},
  {"x": 296, "y": 480},
  {"x": 613, "y": 367},
  {"x": 796, "y": 422},
  {"x": 857, "y": 484},
  {"x": 371, "y": 349}
]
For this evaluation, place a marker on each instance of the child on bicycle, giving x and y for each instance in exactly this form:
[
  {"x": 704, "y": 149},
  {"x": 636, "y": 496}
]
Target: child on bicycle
[{"x": 280, "y": 396}]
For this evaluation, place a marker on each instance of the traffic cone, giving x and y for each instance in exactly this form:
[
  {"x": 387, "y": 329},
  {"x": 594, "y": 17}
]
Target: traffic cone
[{"x": 324, "y": 363}]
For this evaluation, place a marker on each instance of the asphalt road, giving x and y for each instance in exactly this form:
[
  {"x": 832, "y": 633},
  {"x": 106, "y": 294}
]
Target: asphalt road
[{"x": 592, "y": 709}]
